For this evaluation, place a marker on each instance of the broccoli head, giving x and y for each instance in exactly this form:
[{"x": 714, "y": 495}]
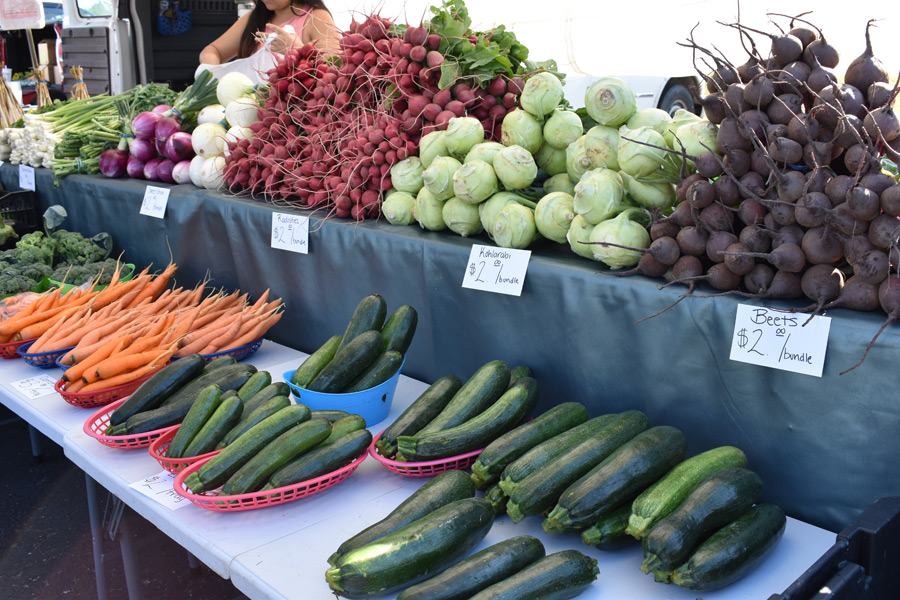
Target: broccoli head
[
  {"x": 34, "y": 271},
  {"x": 73, "y": 248},
  {"x": 12, "y": 282},
  {"x": 35, "y": 247}
]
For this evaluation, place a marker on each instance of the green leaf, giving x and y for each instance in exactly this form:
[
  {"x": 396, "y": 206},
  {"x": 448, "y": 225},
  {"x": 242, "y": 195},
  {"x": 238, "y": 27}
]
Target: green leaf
[
  {"x": 53, "y": 217},
  {"x": 449, "y": 74}
]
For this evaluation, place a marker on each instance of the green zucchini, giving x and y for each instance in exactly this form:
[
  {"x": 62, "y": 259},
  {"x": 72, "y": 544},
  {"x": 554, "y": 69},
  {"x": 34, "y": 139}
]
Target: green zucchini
[
  {"x": 418, "y": 414},
  {"x": 628, "y": 471},
  {"x": 665, "y": 495},
  {"x": 255, "y": 384},
  {"x": 369, "y": 314},
  {"x": 220, "y": 467},
  {"x": 497, "y": 498},
  {"x": 481, "y": 390},
  {"x": 548, "y": 450},
  {"x": 321, "y": 460},
  {"x": 719, "y": 499},
  {"x": 348, "y": 364},
  {"x": 733, "y": 551},
  {"x": 277, "y": 388},
  {"x": 399, "y": 329},
  {"x": 511, "y": 445},
  {"x": 518, "y": 372},
  {"x": 199, "y": 413},
  {"x": 219, "y": 361},
  {"x": 557, "y": 576},
  {"x": 474, "y": 433},
  {"x": 162, "y": 384},
  {"x": 482, "y": 569},
  {"x": 263, "y": 411},
  {"x": 330, "y": 415},
  {"x": 609, "y": 532},
  {"x": 540, "y": 490},
  {"x": 226, "y": 415},
  {"x": 316, "y": 361},
  {"x": 284, "y": 448},
  {"x": 342, "y": 427},
  {"x": 442, "y": 489},
  {"x": 384, "y": 367},
  {"x": 414, "y": 552}
]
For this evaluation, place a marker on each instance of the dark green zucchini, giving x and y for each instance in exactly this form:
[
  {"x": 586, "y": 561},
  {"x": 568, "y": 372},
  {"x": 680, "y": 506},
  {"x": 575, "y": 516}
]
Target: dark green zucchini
[
  {"x": 330, "y": 415},
  {"x": 321, "y": 460},
  {"x": 219, "y": 361},
  {"x": 255, "y": 384},
  {"x": 342, "y": 427},
  {"x": 348, "y": 364},
  {"x": 290, "y": 444},
  {"x": 540, "y": 490},
  {"x": 277, "y": 388},
  {"x": 226, "y": 415},
  {"x": 162, "y": 384},
  {"x": 399, "y": 329},
  {"x": 418, "y": 414},
  {"x": 481, "y": 390},
  {"x": 609, "y": 532},
  {"x": 475, "y": 433},
  {"x": 316, "y": 361},
  {"x": 384, "y": 367},
  {"x": 511, "y": 445},
  {"x": 548, "y": 450},
  {"x": 733, "y": 551},
  {"x": 220, "y": 467},
  {"x": 264, "y": 410},
  {"x": 370, "y": 314},
  {"x": 497, "y": 498},
  {"x": 716, "y": 501},
  {"x": 443, "y": 489},
  {"x": 518, "y": 372},
  {"x": 200, "y": 412},
  {"x": 482, "y": 569},
  {"x": 414, "y": 552},
  {"x": 557, "y": 576},
  {"x": 230, "y": 374},
  {"x": 628, "y": 471}
]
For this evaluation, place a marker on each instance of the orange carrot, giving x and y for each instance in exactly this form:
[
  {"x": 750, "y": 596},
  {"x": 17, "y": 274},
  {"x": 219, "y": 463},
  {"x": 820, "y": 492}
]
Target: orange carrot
[
  {"x": 122, "y": 379},
  {"x": 256, "y": 332},
  {"x": 226, "y": 336},
  {"x": 155, "y": 287},
  {"x": 77, "y": 370},
  {"x": 73, "y": 387},
  {"x": 116, "y": 365}
]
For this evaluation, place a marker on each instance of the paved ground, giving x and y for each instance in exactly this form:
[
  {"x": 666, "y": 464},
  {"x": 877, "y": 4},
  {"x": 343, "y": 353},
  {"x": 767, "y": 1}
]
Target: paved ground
[{"x": 45, "y": 552}]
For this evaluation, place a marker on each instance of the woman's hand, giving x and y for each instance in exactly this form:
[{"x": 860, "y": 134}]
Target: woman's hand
[{"x": 284, "y": 39}]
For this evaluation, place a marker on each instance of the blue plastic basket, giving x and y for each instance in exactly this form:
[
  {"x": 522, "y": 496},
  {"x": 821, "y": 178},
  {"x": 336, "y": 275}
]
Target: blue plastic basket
[
  {"x": 42, "y": 360},
  {"x": 373, "y": 404},
  {"x": 239, "y": 353}
]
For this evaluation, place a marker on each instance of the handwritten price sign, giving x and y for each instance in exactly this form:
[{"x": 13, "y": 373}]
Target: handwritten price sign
[
  {"x": 155, "y": 201},
  {"x": 780, "y": 340},
  {"x": 290, "y": 232},
  {"x": 161, "y": 487},
  {"x": 498, "y": 270},
  {"x": 26, "y": 177},
  {"x": 35, "y": 387}
]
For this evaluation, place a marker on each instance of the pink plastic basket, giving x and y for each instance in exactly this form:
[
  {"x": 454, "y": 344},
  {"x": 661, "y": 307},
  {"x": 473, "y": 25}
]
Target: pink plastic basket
[
  {"x": 160, "y": 445},
  {"x": 97, "y": 423},
  {"x": 100, "y": 397},
  {"x": 425, "y": 469},
  {"x": 9, "y": 349},
  {"x": 212, "y": 500}
]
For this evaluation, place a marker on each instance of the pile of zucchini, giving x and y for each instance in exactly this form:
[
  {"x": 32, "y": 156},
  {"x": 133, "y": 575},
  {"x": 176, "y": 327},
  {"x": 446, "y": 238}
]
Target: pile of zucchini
[
  {"x": 431, "y": 531},
  {"x": 369, "y": 352},
  {"x": 451, "y": 418}
]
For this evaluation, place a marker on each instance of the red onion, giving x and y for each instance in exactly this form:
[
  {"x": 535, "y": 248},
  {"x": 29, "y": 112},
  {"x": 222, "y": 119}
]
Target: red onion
[
  {"x": 164, "y": 170},
  {"x": 142, "y": 149},
  {"x": 113, "y": 162},
  {"x": 135, "y": 167},
  {"x": 144, "y": 124},
  {"x": 161, "y": 108},
  {"x": 181, "y": 173},
  {"x": 178, "y": 147},
  {"x": 166, "y": 127},
  {"x": 159, "y": 146},
  {"x": 151, "y": 169}
]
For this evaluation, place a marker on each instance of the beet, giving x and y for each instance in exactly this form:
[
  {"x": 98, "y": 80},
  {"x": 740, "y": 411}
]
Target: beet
[
  {"x": 718, "y": 242},
  {"x": 856, "y": 295},
  {"x": 759, "y": 91},
  {"x": 692, "y": 240},
  {"x": 822, "y": 246},
  {"x": 855, "y": 246},
  {"x": 882, "y": 124},
  {"x": 707, "y": 165},
  {"x": 786, "y": 257},
  {"x": 890, "y": 200},
  {"x": 872, "y": 266},
  {"x": 889, "y": 299},
  {"x": 863, "y": 203},
  {"x": 701, "y": 194},
  {"x": 729, "y": 136},
  {"x": 751, "y": 212},
  {"x": 784, "y": 107},
  {"x": 785, "y": 150},
  {"x": 836, "y": 189},
  {"x": 647, "y": 266},
  {"x": 884, "y": 231},
  {"x": 663, "y": 229},
  {"x": 812, "y": 210},
  {"x": 758, "y": 280},
  {"x": 727, "y": 191},
  {"x": 714, "y": 108},
  {"x": 866, "y": 69},
  {"x": 716, "y": 217},
  {"x": 879, "y": 94},
  {"x": 821, "y": 51},
  {"x": 755, "y": 122}
]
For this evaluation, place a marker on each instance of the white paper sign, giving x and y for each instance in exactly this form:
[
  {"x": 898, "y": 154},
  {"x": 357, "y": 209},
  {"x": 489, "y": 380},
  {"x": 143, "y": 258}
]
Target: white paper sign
[
  {"x": 26, "y": 177},
  {"x": 290, "y": 232},
  {"x": 155, "y": 201},
  {"x": 780, "y": 340},
  {"x": 498, "y": 270},
  {"x": 35, "y": 387},
  {"x": 161, "y": 487}
]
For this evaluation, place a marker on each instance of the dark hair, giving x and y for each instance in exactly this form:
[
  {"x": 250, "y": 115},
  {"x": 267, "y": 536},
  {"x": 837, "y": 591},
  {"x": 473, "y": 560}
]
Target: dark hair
[{"x": 260, "y": 16}]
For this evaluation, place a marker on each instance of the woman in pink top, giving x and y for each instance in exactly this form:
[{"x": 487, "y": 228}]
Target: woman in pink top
[{"x": 310, "y": 20}]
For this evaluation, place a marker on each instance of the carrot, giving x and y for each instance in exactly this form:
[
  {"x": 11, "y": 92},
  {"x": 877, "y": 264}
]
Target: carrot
[
  {"x": 73, "y": 387},
  {"x": 72, "y": 332},
  {"x": 258, "y": 331},
  {"x": 16, "y": 322},
  {"x": 197, "y": 344},
  {"x": 77, "y": 370},
  {"x": 122, "y": 379},
  {"x": 261, "y": 300},
  {"x": 45, "y": 339},
  {"x": 37, "y": 328},
  {"x": 116, "y": 365},
  {"x": 156, "y": 286},
  {"x": 226, "y": 336}
]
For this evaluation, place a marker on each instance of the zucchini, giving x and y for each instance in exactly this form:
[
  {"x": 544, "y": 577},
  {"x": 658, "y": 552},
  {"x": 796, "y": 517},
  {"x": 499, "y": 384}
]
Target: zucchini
[
  {"x": 497, "y": 498},
  {"x": 540, "y": 490},
  {"x": 316, "y": 361},
  {"x": 733, "y": 551},
  {"x": 321, "y": 460},
  {"x": 284, "y": 448},
  {"x": 418, "y": 414},
  {"x": 399, "y": 329},
  {"x": 557, "y": 576},
  {"x": 518, "y": 372},
  {"x": 482, "y": 569},
  {"x": 474, "y": 433},
  {"x": 414, "y": 552},
  {"x": 628, "y": 471},
  {"x": 278, "y": 388},
  {"x": 665, "y": 495},
  {"x": 349, "y": 362},
  {"x": 219, "y": 361},
  {"x": 330, "y": 415},
  {"x": 716, "y": 501},
  {"x": 264, "y": 410},
  {"x": 226, "y": 415},
  {"x": 481, "y": 390},
  {"x": 342, "y": 427},
  {"x": 609, "y": 532},
  {"x": 384, "y": 367},
  {"x": 513, "y": 444},
  {"x": 177, "y": 406},
  {"x": 162, "y": 384},
  {"x": 200, "y": 412},
  {"x": 548, "y": 450},
  {"x": 443, "y": 489},
  {"x": 220, "y": 467},
  {"x": 368, "y": 315},
  {"x": 257, "y": 382}
]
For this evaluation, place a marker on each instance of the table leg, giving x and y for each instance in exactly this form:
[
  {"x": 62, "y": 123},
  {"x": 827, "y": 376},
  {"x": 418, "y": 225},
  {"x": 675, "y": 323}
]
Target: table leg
[
  {"x": 132, "y": 574},
  {"x": 96, "y": 535},
  {"x": 35, "y": 436}
]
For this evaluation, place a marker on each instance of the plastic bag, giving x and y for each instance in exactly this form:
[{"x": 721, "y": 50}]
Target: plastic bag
[
  {"x": 254, "y": 66},
  {"x": 11, "y": 305}
]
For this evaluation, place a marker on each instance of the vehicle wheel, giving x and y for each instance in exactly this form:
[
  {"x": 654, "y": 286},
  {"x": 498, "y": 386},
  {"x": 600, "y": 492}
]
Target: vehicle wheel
[{"x": 677, "y": 96}]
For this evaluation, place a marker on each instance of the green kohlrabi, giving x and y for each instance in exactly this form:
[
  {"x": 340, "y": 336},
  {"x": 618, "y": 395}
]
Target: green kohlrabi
[
  {"x": 562, "y": 128},
  {"x": 398, "y": 208},
  {"x": 641, "y": 152},
  {"x": 487, "y": 210},
  {"x": 462, "y": 133},
  {"x": 438, "y": 176},
  {"x": 599, "y": 195},
  {"x": 600, "y": 143},
  {"x": 559, "y": 183},
  {"x": 610, "y": 101},
  {"x": 428, "y": 211},
  {"x": 578, "y": 161},
  {"x": 474, "y": 182},
  {"x": 681, "y": 117},
  {"x": 551, "y": 160},
  {"x": 649, "y": 194},
  {"x": 431, "y": 146},
  {"x": 485, "y": 151},
  {"x": 553, "y": 215},
  {"x": 542, "y": 94},
  {"x": 406, "y": 175},
  {"x": 580, "y": 232},
  {"x": 654, "y": 118},
  {"x": 514, "y": 226},
  {"x": 515, "y": 167},
  {"x": 622, "y": 230},
  {"x": 520, "y": 128},
  {"x": 461, "y": 218}
]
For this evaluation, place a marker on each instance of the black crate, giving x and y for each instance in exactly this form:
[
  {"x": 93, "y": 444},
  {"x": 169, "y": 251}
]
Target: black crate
[
  {"x": 20, "y": 210},
  {"x": 862, "y": 564}
]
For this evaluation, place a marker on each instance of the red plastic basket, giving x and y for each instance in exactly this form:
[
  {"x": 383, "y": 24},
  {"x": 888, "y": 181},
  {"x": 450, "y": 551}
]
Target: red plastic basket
[
  {"x": 100, "y": 397},
  {"x": 41, "y": 360},
  {"x": 425, "y": 469},
  {"x": 212, "y": 500},
  {"x": 9, "y": 349},
  {"x": 97, "y": 423},
  {"x": 160, "y": 445}
]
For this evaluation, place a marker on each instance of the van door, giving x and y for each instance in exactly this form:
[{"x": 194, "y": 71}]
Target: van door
[{"x": 96, "y": 39}]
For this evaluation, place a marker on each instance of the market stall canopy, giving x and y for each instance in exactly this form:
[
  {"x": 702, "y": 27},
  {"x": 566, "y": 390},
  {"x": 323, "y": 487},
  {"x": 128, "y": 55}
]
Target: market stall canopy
[{"x": 22, "y": 14}]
